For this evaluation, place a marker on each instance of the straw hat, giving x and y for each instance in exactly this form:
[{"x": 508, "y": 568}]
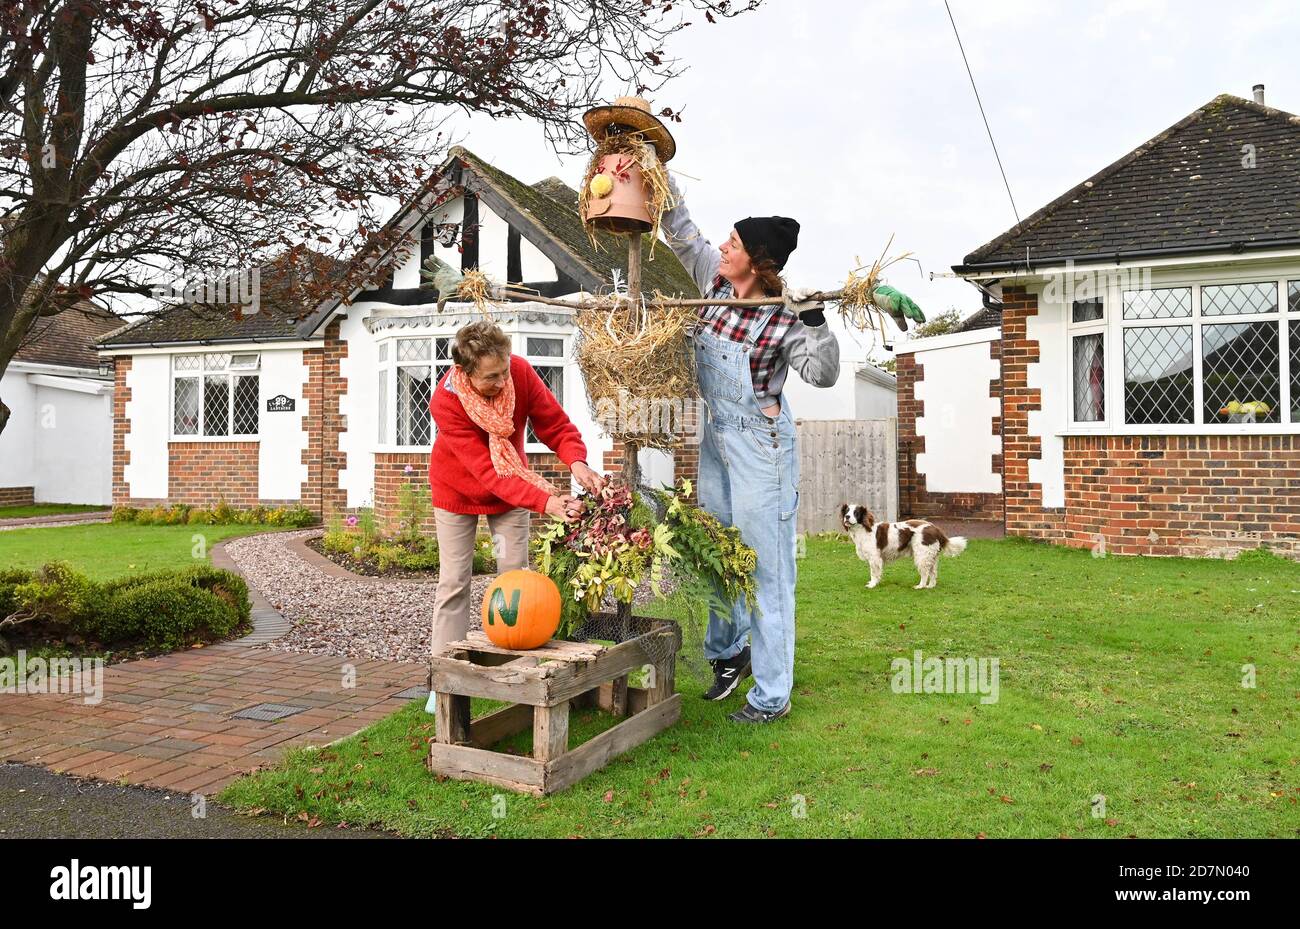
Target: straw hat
[{"x": 633, "y": 113}]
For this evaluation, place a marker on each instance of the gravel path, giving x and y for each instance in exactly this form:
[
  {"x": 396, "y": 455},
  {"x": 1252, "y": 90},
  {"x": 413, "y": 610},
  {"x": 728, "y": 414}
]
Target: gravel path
[{"x": 340, "y": 616}]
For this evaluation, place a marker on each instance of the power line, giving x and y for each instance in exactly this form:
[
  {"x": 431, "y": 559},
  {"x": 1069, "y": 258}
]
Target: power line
[{"x": 983, "y": 115}]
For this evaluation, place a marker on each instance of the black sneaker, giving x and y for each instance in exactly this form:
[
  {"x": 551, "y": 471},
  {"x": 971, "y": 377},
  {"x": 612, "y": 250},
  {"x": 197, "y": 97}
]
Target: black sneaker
[
  {"x": 752, "y": 714},
  {"x": 727, "y": 675}
]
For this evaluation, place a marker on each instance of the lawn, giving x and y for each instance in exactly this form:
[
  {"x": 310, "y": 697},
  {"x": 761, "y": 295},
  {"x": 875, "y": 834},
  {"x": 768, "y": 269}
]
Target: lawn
[
  {"x": 1118, "y": 677},
  {"x": 49, "y": 509},
  {"x": 108, "y": 550}
]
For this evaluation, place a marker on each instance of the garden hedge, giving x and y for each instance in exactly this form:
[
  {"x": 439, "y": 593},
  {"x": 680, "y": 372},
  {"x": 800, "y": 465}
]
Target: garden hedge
[{"x": 158, "y": 610}]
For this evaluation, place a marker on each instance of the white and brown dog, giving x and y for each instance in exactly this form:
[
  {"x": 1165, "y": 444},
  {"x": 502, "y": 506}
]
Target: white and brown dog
[{"x": 880, "y": 543}]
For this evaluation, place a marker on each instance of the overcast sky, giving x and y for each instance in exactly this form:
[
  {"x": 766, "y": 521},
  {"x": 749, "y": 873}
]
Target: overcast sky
[{"x": 857, "y": 118}]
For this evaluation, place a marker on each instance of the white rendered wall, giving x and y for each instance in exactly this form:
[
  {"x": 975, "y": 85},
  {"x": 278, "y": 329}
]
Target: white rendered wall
[
  {"x": 1047, "y": 422},
  {"x": 875, "y": 401},
  {"x": 16, "y": 442},
  {"x": 282, "y": 436},
  {"x": 493, "y": 249},
  {"x": 73, "y": 450},
  {"x": 359, "y": 405},
  {"x": 149, "y": 414},
  {"x": 958, "y": 420}
]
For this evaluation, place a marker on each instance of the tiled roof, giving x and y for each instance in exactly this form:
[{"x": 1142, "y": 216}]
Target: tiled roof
[
  {"x": 989, "y": 317},
  {"x": 275, "y": 320},
  {"x": 1190, "y": 190},
  {"x": 66, "y": 338}
]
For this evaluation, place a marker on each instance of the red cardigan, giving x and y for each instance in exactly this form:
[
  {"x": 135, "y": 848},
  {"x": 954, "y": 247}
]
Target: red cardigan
[{"x": 461, "y": 476}]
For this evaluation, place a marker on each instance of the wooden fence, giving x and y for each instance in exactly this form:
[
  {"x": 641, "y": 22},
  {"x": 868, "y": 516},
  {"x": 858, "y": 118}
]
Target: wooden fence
[{"x": 846, "y": 461}]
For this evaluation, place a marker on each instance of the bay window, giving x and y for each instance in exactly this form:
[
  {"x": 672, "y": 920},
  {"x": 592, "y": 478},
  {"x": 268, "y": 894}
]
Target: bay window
[
  {"x": 411, "y": 368},
  {"x": 1191, "y": 355},
  {"x": 546, "y": 355}
]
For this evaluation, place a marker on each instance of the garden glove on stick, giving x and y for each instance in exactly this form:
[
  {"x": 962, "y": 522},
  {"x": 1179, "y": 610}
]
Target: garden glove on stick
[
  {"x": 810, "y": 312},
  {"x": 897, "y": 304}
]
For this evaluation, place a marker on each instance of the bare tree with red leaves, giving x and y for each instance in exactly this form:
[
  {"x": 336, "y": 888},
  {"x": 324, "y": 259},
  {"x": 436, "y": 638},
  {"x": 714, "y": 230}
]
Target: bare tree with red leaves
[{"x": 139, "y": 137}]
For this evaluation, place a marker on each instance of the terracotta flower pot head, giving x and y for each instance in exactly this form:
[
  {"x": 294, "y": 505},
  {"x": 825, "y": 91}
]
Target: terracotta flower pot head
[{"x": 616, "y": 200}]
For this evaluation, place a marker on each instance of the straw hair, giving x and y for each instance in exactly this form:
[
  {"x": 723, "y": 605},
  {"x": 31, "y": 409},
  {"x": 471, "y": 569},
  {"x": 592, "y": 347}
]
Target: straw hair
[
  {"x": 628, "y": 352},
  {"x": 857, "y": 298}
]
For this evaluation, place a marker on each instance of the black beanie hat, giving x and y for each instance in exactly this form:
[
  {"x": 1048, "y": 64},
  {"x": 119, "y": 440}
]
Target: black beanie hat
[{"x": 773, "y": 236}]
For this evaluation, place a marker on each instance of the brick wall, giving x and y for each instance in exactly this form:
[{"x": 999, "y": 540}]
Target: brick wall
[
  {"x": 1025, "y": 513},
  {"x": 323, "y": 390},
  {"x": 205, "y": 473},
  {"x": 914, "y": 498},
  {"x": 1182, "y": 495},
  {"x": 121, "y": 426},
  {"x": 17, "y": 496}
]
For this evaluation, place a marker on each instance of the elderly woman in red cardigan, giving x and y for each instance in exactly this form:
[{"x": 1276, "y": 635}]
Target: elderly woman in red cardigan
[{"x": 478, "y": 467}]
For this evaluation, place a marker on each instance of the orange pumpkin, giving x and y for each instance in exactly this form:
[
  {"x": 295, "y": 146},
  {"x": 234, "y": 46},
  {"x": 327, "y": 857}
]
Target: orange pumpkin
[{"x": 521, "y": 609}]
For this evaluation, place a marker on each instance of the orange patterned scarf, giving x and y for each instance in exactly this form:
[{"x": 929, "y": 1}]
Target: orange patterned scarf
[{"x": 496, "y": 416}]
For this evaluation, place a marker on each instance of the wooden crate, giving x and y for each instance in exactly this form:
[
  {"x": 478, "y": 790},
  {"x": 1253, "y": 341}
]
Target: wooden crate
[{"x": 541, "y": 685}]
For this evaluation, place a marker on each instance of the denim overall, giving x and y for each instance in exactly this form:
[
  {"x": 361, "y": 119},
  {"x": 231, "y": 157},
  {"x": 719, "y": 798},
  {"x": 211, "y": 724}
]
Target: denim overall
[{"x": 749, "y": 478}]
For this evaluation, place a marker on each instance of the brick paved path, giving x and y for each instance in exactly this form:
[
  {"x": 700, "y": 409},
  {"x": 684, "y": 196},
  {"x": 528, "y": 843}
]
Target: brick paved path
[{"x": 164, "y": 722}]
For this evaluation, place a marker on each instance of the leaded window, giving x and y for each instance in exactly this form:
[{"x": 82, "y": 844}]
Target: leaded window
[
  {"x": 216, "y": 394},
  {"x": 1158, "y": 385}
]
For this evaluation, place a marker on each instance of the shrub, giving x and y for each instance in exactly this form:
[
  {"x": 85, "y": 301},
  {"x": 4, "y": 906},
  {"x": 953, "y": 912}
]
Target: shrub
[
  {"x": 166, "y": 614},
  {"x": 224, "y": 513},
  {"x": 160, "y": 609},
  {"x": 58, "y": 595},
  {"x": 10, "y": 579},
  {"x": 124, "y": 514},
  {"x": 388, "y": 555}
]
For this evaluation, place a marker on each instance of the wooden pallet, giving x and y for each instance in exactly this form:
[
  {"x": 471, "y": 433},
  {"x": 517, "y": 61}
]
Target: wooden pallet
[{"x": 541, "y": 685}]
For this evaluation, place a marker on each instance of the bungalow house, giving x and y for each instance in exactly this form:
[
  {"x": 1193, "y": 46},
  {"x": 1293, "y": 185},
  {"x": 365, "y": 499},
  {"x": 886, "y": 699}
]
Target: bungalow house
[
  {"x": 1144, "y": 381},
  {"x": 58, "y": 444},
  {"x": 329, "y": 408}
]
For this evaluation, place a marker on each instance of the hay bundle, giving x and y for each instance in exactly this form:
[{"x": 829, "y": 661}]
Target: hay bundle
[
  {"x": 639, "y": 369},
  {"x": 477, "y": 288},
  {"x": 658, "y": 193},
  {"x": 857, "y": 301}
]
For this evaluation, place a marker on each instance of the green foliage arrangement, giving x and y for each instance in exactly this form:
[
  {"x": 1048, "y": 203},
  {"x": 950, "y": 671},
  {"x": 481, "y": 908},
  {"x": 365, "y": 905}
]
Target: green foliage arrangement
[{"x": 622, "y": 539}]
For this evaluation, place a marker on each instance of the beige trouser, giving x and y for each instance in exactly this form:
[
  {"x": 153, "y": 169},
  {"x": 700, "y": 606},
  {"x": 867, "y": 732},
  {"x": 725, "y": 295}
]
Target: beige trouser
[{"x": 456, "y": 536}]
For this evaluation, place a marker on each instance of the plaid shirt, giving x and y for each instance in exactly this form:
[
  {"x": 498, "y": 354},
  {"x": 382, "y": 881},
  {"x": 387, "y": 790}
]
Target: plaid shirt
[{"x": 734, "y": 323}]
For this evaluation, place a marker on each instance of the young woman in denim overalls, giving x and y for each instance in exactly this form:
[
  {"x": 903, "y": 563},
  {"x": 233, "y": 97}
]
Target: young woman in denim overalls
[{"x": 749, "y": 465}]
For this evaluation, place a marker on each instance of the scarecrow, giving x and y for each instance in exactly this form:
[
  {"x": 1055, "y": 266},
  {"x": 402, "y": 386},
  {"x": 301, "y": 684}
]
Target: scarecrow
[{"x": 740, "y": 355}]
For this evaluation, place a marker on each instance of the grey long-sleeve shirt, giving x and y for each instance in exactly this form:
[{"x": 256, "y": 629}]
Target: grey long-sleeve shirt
[{"x": 785, "y": 341}]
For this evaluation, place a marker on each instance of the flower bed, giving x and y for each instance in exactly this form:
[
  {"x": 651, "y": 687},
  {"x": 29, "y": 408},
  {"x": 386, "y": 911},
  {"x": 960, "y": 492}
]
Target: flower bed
[
  {"x": 356, "y": 543},
  {"x": 223, "y": 514}
]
